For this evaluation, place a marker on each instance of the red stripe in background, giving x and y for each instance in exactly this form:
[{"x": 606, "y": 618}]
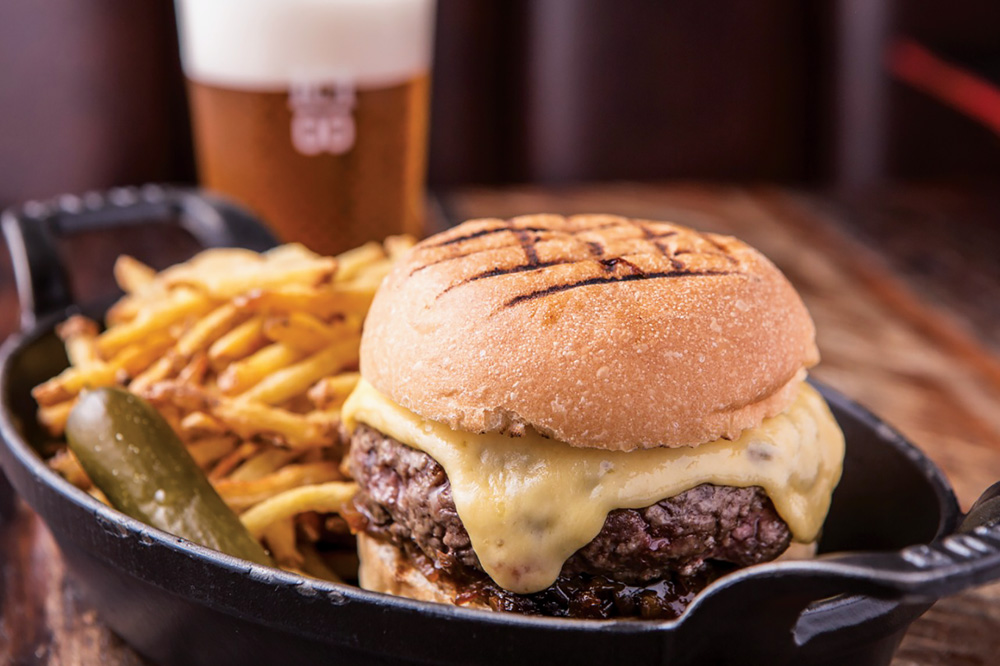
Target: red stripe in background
[{"x": 968, "y": 93}]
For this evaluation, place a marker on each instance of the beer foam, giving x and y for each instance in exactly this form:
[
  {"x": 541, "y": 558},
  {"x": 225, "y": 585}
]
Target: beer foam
[{"x": 272, "y": 44}]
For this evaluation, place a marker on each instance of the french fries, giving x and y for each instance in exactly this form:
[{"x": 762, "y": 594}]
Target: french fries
[
  {"x": 344, "y": 297},
  {"x": 242, "y": 495},
  {"x": 224, "y": 274},
  {"x": 325, "y": 497},
  {"x": 249, "y": 357},
  {"x": 280, "y": 540},
  {"x": 280, "y": 426},
  {"x": 54, "y": 417},
  {"x": 209, "y": 450},
  {"x": 80, "y": 337},
  {"x": 132, "y": 275},
  {"x": 307, "y": 333},
  {"x": 352, "y": 262},
  {"x": 246, "y": 373},
  {"x": 331, "y": 392},
  {"x": 286, "y": 383},
  {"x": 314, "y": 565},
  {"x": 238, "y": 343},
  {"x": 178, "y": 305},
  {"x": 208, "y": 330}
]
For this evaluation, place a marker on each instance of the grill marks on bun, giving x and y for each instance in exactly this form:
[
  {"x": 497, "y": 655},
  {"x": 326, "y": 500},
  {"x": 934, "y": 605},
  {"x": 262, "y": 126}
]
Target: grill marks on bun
[
  {"x": 607, "y": 279},
  {"x": 600, "y": 250},
  {"x": 596, "y": 330}
]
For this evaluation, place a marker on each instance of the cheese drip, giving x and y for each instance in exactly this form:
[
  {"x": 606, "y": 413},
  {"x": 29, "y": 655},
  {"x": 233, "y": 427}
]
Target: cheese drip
[{"x": 530, "y": 502}]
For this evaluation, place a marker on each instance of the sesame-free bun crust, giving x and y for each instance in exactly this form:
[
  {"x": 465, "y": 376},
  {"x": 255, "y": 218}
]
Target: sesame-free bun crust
[
  {"x": 598, "y": 330},
  {"x": 385, "y": 568}
]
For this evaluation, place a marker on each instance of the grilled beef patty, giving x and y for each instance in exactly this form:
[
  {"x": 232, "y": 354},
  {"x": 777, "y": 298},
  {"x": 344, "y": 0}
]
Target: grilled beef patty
[{"x": 669, "y": 550}]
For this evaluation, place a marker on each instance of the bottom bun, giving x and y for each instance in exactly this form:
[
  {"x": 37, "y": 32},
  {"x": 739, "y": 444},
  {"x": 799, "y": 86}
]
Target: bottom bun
[{"x": 384, "y": 568}]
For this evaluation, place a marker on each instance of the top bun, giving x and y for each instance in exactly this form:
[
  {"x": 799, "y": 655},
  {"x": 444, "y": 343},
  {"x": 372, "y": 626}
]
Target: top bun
[{"x": 597, "y": 330}]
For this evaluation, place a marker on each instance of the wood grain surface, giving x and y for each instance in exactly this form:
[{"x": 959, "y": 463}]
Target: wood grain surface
[{"x": 908, "y": 343}]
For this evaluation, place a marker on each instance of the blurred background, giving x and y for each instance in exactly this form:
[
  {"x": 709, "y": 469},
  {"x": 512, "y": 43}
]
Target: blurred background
[
  {"x": 845, "y": 94},
  {"x": 886, "y": 106}
]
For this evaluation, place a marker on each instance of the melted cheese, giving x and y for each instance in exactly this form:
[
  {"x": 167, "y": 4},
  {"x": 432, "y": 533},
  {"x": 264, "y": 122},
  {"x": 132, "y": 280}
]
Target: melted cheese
[{"x": 530, "y": 502}]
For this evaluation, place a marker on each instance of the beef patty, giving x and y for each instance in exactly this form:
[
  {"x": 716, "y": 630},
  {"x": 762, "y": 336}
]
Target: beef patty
[{"x": 678, "y": 543}]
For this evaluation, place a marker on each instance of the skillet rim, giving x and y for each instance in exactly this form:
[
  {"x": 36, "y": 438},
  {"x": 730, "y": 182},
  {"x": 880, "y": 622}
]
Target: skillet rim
[{"x": 16, "y": 446}]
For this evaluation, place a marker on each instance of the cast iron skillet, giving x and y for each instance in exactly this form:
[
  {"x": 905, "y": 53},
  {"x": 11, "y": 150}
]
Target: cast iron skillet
[{"x": 179, "y": 603}]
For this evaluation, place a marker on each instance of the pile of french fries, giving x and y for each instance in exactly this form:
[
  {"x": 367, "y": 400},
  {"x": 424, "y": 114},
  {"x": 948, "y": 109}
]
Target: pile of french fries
[{"x": 249, "y": 357}]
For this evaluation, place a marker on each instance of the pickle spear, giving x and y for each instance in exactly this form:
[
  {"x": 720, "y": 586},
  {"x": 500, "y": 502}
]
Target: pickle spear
[{"x": 132, "y": 454}]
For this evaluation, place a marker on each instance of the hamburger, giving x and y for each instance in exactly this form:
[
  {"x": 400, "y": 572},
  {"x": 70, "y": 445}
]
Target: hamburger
[{"x": 586, "y": 416}]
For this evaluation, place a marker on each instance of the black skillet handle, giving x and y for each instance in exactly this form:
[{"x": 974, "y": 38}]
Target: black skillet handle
[
  {"x": 768, "y": 600},
  {"x": 968, "y": 558},
  {"x": 31, "y": 231}
]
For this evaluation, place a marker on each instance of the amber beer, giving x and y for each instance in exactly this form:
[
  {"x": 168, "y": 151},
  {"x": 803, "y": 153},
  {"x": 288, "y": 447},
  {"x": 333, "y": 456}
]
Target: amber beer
[{"x": 313, "y": 112}]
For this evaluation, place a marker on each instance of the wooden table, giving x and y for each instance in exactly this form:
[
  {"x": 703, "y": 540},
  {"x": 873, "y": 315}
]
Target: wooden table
[{"x": 904, "y": 286}]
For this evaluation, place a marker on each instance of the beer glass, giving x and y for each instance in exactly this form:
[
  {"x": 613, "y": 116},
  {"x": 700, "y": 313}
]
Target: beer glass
[{"x": 313, "y": 112}]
